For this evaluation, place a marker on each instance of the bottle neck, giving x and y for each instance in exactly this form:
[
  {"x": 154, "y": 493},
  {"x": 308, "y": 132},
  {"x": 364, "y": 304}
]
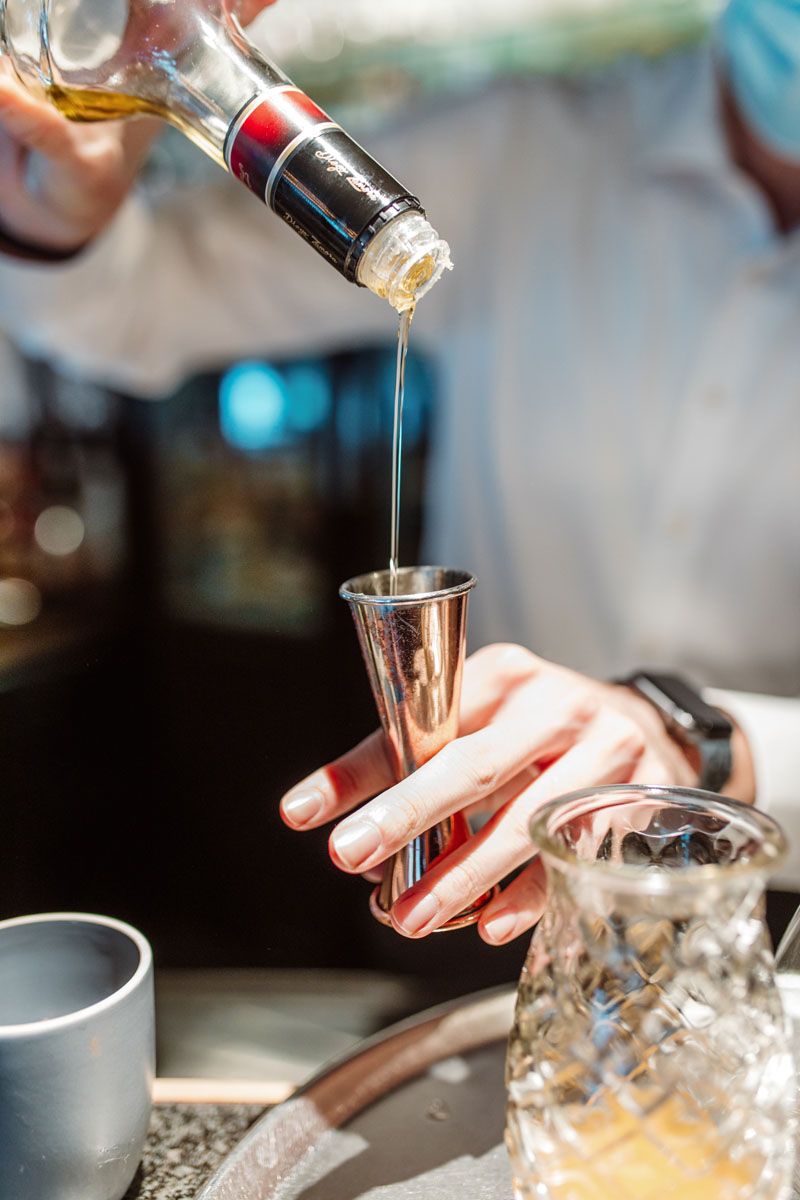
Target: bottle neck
[
  {"x": 302, "y": 164},
  {"x": 192, "y": 66},
  {"x": 208, "y": 81}
]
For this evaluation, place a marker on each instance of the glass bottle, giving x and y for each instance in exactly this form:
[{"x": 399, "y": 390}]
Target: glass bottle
[
  {"x": 650, "y": 1057},
  {"x": 190, "y": 63}
]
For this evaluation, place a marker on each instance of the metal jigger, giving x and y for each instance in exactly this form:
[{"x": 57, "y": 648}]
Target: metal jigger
[{"x": 412, "y": 632}]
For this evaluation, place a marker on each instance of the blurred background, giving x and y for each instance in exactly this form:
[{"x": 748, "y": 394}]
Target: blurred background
[{"x": 173, "y": 652}]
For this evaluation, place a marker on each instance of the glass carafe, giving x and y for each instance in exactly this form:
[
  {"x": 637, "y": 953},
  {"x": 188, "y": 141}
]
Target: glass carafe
[{"x": 650, "y": 1056}]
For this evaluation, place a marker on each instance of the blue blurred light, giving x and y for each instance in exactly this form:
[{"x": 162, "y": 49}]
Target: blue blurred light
[
  {"x": 308, "y": 385},
  {"x": 253, "y": 407}
]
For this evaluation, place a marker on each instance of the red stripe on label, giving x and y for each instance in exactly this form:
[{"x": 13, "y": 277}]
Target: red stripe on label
[{"x": 266, "y": 132}]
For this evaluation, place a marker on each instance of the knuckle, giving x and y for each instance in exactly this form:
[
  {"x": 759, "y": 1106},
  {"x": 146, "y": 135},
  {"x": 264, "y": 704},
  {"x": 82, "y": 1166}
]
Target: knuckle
[
  {"x": 507, "y": 659},
  {"x": 516, "y": 660},
  {"x": 531, "y": 888},
  {"x": 344, "y": 775},
  {"x": 586, "y": 704},
  {"x": 655, "y": 774},
  {"x": 99, "y": 170},
  {"x": 102, "y": 155},
  {"x": 514, "y": 654},
  {"x": 470, "y": 759},
  {"x": 629, "y": 740},
  {"x": 520, "y": 846},
  {"x": 375, "y": 753},
  {"x": 465, "y": 883},
  {"x": 403, "y": 816}
]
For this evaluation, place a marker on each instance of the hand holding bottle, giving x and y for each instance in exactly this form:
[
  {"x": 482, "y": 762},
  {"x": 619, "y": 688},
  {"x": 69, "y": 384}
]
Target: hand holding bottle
[
  {"x": 192, "y": 64},
  {"x": 529, "y": 731},
  {"x": 62, "y": 181}
]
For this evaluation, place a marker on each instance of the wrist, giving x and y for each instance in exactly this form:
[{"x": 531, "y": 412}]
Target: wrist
[
  {"x": 703, "y": 733},
  {"x": 15, "y": 247},
  {"x": 741, "y": 784},
  {"x": 678, "y": 764}
]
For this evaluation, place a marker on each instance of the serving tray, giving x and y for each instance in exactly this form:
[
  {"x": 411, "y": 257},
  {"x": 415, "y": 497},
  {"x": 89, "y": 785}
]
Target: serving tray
[{"x": 415, "y": 1113}]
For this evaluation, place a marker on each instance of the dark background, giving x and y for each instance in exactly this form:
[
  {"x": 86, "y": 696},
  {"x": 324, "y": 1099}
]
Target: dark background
[
  {"x": 192, "y": 659},
  {"x": 151, "y": 720}
]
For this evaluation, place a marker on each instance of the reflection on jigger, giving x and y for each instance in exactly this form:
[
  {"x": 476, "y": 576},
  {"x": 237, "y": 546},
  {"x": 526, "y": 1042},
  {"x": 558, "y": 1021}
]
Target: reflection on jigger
[{"x": 412, "y": 631}]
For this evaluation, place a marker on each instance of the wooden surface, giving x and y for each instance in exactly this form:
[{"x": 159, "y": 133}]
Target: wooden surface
[{"x": 221, "y": 1091}]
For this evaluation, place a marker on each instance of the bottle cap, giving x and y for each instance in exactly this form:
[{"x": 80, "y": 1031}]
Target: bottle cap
[{"x": 404, "y": 260}]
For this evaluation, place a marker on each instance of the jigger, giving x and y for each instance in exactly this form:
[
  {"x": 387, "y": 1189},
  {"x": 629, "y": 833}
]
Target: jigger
[{"x": 412, "y": 631}]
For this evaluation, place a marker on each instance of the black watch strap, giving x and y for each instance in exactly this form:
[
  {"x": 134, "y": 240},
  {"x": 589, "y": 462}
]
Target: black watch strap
[{"x": 691, "y": 721}]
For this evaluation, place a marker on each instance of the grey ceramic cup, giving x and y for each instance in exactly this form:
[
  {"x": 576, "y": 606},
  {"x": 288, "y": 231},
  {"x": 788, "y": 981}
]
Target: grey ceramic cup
[{"x": 77, "y": 1056}]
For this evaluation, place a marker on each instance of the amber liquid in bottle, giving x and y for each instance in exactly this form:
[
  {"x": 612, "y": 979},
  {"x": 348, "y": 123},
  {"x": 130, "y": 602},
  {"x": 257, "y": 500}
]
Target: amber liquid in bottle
[
  {"x": 191, "y": 64},
  {"x": 86, "y": 105}
]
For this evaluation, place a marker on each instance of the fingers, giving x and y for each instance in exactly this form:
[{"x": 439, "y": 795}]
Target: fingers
[
  {"x": 530, "y": 732},
  {"x": 102, "y": 149},
  {"x": 12, "y": 160},
  {"x": 341, "y": 785},
  {"x": 62, "y": 181},
  {"x": 608, "y": 753},
  {"x": 540, "y": 722},
  {"x": 469, "y": 770},
  {"x": 32, "y": 122},
  {"x": 490, "y": 676},
  {"x": 518, "y": 907},
  {"x": 247, "y": 10}
]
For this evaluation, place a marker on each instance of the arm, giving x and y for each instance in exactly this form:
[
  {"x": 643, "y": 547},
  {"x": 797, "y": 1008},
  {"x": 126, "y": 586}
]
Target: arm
[
  {"x": 530, "y": 731},
  {"x": 60, "y": 181}
]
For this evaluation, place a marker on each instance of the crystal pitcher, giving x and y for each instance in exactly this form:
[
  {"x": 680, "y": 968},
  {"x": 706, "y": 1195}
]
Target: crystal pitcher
[{"x": 649, "y": 1057}]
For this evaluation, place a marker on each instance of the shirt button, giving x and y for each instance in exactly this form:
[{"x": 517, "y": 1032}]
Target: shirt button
[
  {"x": 677, "y": 526},
  {"x": 756, "y": 274},
  {"x": 647, "y": 648},
  {"x": 714, "y": 398}
]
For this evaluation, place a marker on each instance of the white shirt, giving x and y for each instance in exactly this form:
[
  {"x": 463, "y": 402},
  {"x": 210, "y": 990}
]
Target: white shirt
[{"x": 617, "y": 452}]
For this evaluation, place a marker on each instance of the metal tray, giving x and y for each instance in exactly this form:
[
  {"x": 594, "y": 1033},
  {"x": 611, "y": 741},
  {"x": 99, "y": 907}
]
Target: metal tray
[{"x": 415, "y": 1113}]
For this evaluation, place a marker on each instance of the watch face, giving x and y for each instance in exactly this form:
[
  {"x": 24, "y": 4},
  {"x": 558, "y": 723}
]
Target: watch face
[{"x": 683, "y": 703}]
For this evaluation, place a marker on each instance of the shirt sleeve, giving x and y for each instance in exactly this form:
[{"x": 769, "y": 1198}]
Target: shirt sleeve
[{"x": 772, "y": 727}]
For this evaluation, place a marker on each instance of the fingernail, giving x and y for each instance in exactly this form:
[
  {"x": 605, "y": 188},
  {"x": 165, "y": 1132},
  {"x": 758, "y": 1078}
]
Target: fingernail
[
  {"x": 355, "y": 843},
  {"x": 301, "y": 807},
  {"x": 501, "y": 926},
  {"x": 421, "y": 913}
]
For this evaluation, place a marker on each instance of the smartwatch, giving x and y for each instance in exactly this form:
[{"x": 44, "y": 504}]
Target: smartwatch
[{"x": 690, "y": 721}]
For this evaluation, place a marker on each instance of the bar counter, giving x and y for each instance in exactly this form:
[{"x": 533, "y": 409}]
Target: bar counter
[
  {"x": 186, "y": 1144},
  {"x": 232, "y": 1043}
]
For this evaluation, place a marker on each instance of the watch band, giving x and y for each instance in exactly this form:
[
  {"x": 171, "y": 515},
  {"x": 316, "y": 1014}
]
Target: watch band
[
  {"x": 716, "y": 764},
  {"x": 691, "y": 721}
]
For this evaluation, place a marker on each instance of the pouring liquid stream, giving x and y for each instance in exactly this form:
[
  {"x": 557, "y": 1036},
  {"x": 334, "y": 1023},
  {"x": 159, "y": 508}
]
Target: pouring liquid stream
[{"x": 397, "y": 445}]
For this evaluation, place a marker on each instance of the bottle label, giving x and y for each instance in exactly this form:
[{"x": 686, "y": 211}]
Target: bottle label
[{"x": 267, "y": 132}]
